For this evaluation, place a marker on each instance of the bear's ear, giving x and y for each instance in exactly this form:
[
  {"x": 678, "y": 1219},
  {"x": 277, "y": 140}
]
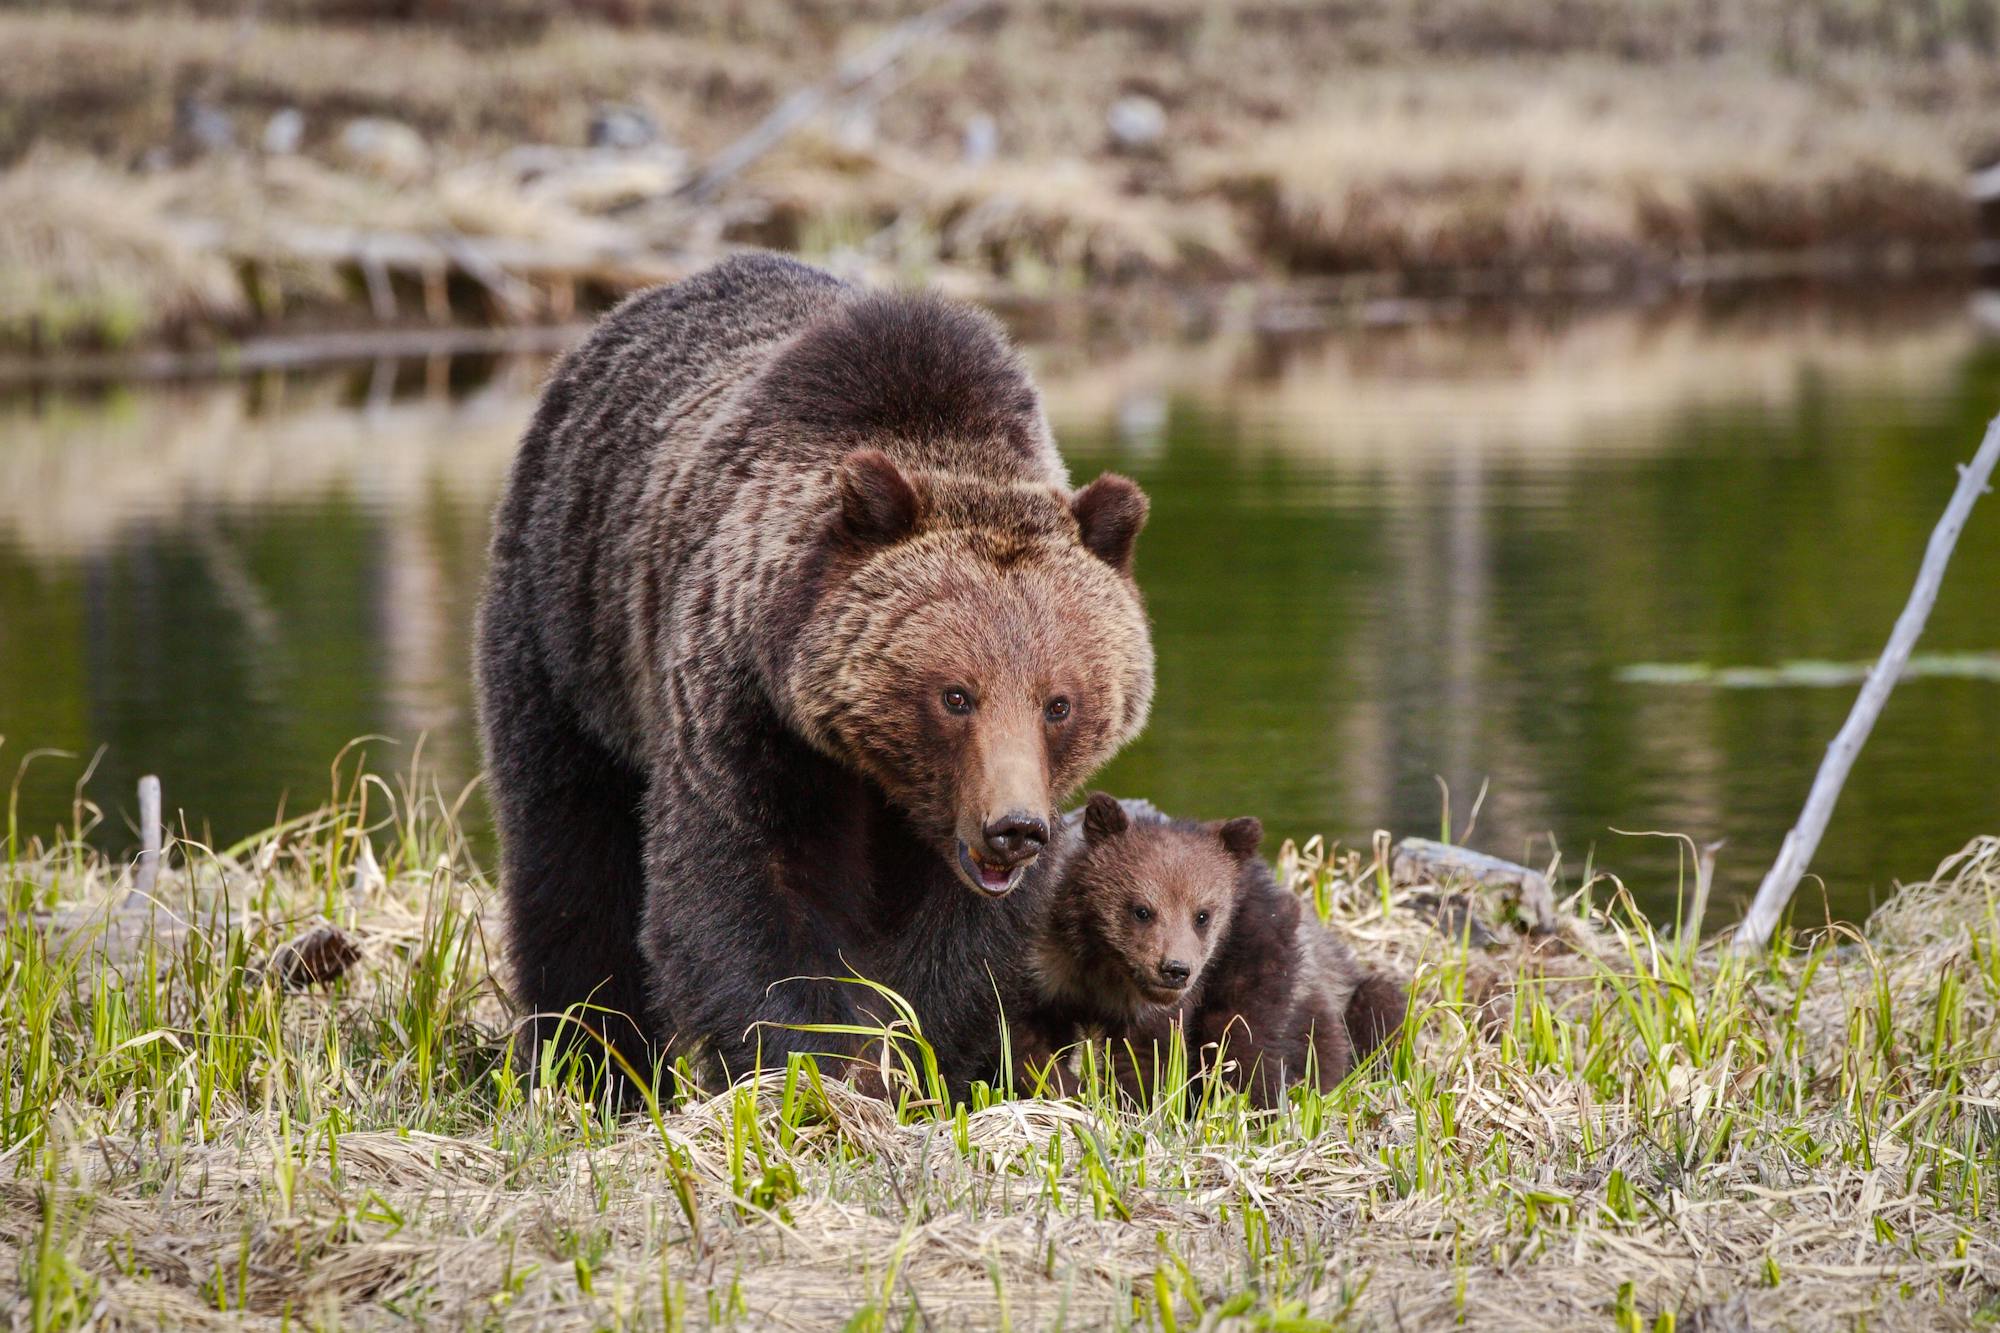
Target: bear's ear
[
  {"x": 877, "y": 502},
  {"x": 1103, "y": 818},
  {"x": 1109, "y": 513},
  {"x": 1242, "y": 837}
]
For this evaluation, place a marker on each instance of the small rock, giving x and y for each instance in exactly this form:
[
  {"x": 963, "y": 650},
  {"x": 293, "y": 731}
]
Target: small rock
[
  {"x": 981, "y": 143},
  {"x": 284, "y": 131},
  {"x": 1137, "y": 123},
  {"x": 1985, "y": 184},
  {"x": 624, "y": 127},
  {"x": 383, "y": 147},
  {"x": 203, "y": 127}
]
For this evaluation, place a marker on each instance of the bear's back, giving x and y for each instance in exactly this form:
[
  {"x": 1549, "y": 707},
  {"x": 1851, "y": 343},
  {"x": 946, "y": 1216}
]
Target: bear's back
[
  {"x": 610, "y": 400},
  {"x": 581, "y": 500}
]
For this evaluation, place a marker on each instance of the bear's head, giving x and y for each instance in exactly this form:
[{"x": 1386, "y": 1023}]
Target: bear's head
[
  {"x": 1143, "y": 905},
  {"x": 978, "y": 649}
]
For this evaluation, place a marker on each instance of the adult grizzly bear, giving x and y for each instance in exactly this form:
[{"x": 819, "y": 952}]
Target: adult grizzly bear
[{"x": 793, "y": 638}]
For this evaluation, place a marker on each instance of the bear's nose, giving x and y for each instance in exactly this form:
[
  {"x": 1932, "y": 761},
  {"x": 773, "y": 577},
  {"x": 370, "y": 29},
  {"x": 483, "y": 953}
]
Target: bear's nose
[
  {"x": 1175, "y": 973},
  {"x": 1016, "y": 836}
]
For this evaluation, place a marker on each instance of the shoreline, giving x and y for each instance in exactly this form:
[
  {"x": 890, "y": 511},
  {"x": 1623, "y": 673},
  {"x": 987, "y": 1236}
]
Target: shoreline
[{"x": 1155, "y": 310}]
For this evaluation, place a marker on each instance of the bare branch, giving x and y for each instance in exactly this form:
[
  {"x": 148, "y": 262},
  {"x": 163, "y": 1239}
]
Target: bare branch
[{"x": 1800, "y": 844}]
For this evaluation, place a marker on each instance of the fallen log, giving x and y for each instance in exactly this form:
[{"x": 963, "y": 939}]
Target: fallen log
[{"x": 1420, "y": 860}]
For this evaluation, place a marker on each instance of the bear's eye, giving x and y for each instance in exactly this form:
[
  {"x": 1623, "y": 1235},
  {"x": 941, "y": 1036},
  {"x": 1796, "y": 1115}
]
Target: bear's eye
[
  {"x": 1201, "y": 919},
  {"x": 1140, "y": 912},
  {"x": 957, "y": 701},
  {"x": 1057, "y": 710}
]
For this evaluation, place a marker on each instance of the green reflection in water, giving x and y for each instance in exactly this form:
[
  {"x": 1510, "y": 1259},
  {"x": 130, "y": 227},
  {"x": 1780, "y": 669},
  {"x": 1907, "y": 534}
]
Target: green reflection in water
[{"x": 1373, "y": 562}]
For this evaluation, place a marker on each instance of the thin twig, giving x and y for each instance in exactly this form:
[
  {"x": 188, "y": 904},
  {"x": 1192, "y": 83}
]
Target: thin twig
[{"x": 1800, "y": 844}]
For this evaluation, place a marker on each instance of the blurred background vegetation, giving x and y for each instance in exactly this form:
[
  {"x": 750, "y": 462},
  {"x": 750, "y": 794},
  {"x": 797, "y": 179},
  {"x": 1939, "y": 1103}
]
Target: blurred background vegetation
[{"x": 197, "y": 170}]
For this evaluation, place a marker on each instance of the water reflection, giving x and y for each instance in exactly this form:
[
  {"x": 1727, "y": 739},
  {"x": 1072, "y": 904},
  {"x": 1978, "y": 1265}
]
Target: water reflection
[{"x": 1378, "y": 558}]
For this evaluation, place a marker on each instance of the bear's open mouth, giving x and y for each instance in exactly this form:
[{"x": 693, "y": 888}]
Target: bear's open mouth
[
  {"x": 1157, "y": 992},
  {"x": 991, "y": 880}
]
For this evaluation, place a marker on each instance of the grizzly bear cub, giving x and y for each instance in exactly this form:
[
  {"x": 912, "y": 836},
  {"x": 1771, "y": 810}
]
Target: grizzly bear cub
[{"x": 1155, "y": 922}]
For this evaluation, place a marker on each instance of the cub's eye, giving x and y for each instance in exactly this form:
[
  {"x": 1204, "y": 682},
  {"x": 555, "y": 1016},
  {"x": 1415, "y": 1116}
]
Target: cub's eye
[
  {"x": 1141, "y": 913},
  {"x": 1201, "y": 918},
  {"x": 957, "y": 701},
  {"x": 1057, "y": 710}
]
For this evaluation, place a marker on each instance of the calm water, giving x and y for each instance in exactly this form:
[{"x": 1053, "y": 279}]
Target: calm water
[{"x": 1377, "y": 559}]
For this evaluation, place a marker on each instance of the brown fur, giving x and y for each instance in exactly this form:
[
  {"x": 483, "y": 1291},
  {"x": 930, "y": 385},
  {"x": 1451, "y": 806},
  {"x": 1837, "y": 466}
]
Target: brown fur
[
  {"x": 1280, "y": 992},
  {"x": 762, "y": 526}
]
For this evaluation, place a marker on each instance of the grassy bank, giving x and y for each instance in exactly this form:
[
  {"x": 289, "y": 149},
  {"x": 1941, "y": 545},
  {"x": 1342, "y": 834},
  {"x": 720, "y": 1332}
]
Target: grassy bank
[
  {"x": 1590, "y": 145},
  {"x": 1602, "y": 1127}
]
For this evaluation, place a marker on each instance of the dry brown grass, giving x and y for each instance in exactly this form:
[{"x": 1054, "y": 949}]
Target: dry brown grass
[
  {"x": 1601, "y": 1127},
  {"x": 1588, "y": 162},
  {"x": 84, "y": 257}
]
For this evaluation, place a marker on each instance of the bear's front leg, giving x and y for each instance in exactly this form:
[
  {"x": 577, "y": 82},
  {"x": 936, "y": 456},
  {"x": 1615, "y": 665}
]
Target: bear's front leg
[{"x": 738, "y": 963}]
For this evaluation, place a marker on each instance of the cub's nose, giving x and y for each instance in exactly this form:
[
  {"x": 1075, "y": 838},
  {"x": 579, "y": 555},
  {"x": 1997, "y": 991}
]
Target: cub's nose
[
  {"x": 1175, "y": 973},
  {"x": 1015, "y": 837}
]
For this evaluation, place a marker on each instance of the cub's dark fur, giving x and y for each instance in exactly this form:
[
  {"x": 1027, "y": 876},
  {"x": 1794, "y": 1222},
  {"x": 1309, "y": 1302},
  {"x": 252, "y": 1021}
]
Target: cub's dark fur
[
  {"x": 794, "y": 637},
  {"x": 1158, "y": 921}
]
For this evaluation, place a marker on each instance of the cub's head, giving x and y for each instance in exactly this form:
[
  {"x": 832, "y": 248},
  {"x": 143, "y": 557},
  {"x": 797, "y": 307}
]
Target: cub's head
[
  {"x": 1149, "y": 902},
  {"x": 978, "y": 649}
]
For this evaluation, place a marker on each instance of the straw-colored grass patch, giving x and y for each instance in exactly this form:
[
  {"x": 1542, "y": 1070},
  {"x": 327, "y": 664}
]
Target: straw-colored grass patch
[
  {"x": 84, "y": 259},
  {"x": 1579, "y": 162},
  {"x": 1605, "y": 1127}
]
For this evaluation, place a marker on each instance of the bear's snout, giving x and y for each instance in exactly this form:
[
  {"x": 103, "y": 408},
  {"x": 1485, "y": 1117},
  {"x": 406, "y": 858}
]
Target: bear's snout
[{"x": 1002, "y": 823}]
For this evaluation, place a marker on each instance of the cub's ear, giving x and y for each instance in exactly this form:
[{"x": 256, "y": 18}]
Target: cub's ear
[
  {"x": 1103, "y": 818},
  {"x": 877, "y": 502},
  {"x": 1242, "y": 836},
  {"x": 1109, "y": 513}
]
